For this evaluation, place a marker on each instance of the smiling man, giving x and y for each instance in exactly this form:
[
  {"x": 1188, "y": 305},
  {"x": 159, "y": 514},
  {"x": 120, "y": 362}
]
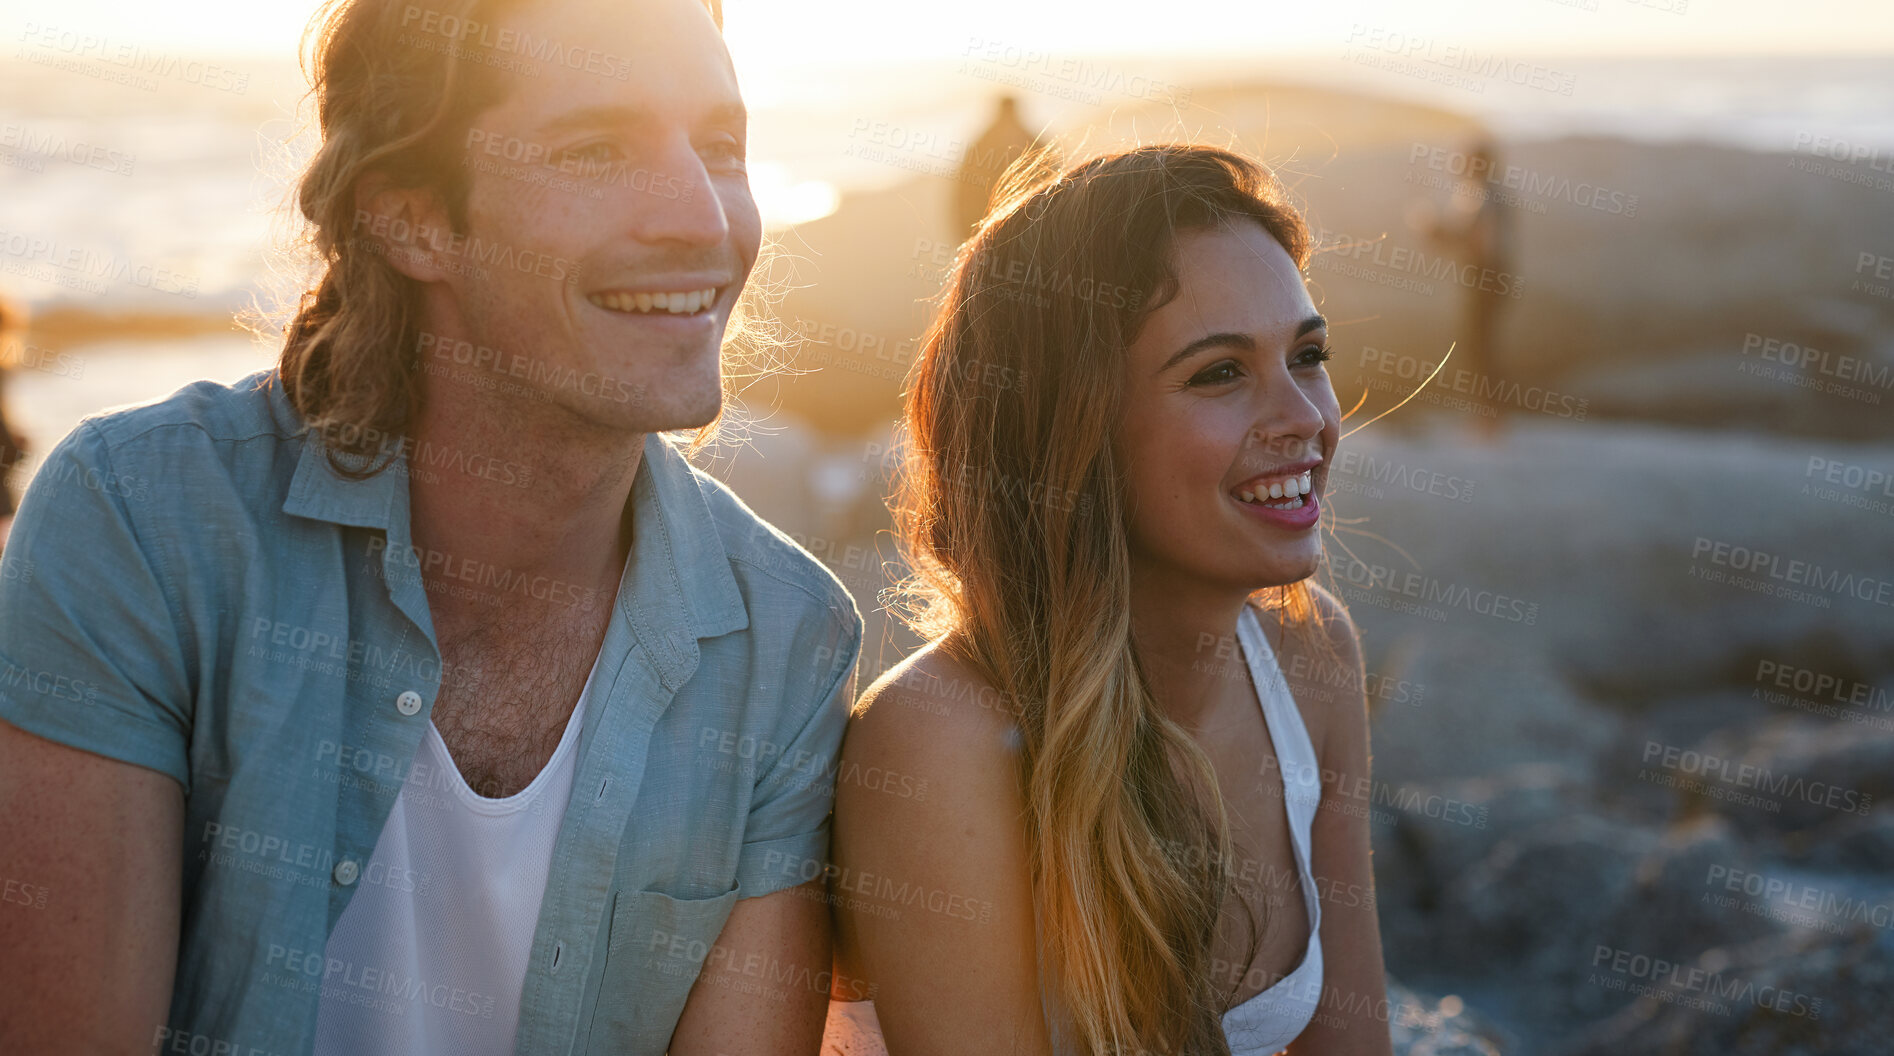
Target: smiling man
[{"x": 418, "y": 696}]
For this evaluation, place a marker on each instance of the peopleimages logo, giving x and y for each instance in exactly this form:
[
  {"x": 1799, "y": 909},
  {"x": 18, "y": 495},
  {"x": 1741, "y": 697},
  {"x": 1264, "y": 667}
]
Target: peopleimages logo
[
  {"x": 534, "y": 370},
  {"x": 1690, "y": 986},
  {"x": 1829, "y": 907},
  {"x": 1337, "y": 247},
  {"x": 15, "y": 136},
  {"x": 540, "y": 164},
  {"x": 1581, "y": 193},
  {"x": 469, "y": 248},
  {"x": 1790, "y": 572},
  {"x": 1693, "y": 763},
  {"x": 471, "y": 33},
  {"x": 132, "y": 60}
]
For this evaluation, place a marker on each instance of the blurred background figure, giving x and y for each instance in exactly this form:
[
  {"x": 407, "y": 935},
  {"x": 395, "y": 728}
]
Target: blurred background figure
[
  {"x": 1003, "y": 141},
  {"x": 1476, "y": 231},
  {"x": 12, "y": 444}
]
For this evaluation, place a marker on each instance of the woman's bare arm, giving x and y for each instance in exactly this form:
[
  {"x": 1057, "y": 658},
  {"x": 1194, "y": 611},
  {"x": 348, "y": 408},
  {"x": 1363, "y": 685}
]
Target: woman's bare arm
[
  {"x": 1352, "y": 1019},
  {"x": 931, "y": 878}
]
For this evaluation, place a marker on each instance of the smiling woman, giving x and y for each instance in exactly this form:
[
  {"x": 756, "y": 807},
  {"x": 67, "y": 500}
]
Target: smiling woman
[{"x": 1136, "y": 819}]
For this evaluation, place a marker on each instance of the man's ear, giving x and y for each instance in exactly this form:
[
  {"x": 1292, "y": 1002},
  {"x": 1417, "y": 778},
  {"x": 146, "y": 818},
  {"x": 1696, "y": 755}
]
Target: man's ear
[{"x": 406, "y": 225}]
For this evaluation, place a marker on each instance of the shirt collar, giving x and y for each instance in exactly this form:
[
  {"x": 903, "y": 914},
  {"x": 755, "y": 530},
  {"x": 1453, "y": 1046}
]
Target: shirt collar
[
  {"x": 669, "y": 492},
  {"x": 679, "y": 566}
]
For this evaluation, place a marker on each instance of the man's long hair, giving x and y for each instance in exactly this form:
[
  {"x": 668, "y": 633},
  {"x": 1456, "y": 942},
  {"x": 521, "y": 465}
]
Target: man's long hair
[
  {"x": 1012, "y": 517},
  {"x": 394, "y": 99}
]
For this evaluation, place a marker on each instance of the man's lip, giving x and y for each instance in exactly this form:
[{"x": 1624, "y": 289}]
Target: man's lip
[
  {"x": 674, "y": 284},
  {"x": 1290, "y": 470}
]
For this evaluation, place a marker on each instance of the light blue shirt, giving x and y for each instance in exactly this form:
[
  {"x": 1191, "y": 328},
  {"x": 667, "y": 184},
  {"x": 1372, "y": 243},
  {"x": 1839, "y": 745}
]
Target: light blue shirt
[{"x": 190, "y": 587}]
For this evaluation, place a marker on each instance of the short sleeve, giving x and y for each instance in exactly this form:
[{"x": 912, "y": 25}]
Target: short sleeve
[
  {"x": 786, "y": 838},
  {"x": 89, "y": 650}
]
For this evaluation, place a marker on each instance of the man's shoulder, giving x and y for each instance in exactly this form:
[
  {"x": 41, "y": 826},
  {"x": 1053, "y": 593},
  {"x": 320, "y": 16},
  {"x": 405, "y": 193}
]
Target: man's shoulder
[
  {"x": 248, "y": 408},
  {"x": 163, "y": 456},
  {"x": 773, "y": 559}
]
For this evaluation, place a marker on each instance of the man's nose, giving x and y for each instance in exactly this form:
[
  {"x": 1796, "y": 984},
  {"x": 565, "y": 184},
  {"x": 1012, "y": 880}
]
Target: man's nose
[{"x": 675, "y": 201}]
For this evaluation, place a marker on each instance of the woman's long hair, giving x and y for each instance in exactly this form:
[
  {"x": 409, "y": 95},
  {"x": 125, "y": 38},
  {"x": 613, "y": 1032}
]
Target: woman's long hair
[{"x": 1011, "y": 515}]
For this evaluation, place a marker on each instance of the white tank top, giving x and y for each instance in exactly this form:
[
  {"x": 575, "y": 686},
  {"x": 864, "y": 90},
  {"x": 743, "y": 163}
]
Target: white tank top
[
  {"x": 430, "y": 954},
  {"x": 1269, "y": 1021}
]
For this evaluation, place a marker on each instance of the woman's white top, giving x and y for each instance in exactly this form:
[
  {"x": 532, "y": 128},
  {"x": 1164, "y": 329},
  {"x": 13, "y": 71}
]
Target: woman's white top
[
  {"x": 1266, "y": 1023},
  {"x": 430, "y": 954}
]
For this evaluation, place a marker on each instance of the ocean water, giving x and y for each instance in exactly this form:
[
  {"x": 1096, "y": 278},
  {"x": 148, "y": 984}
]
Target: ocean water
[
  {"x": 164, "y": 197},
  {"x": 123, "y": 193}
]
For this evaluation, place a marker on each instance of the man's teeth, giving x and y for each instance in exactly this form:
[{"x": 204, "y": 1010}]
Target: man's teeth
[
  {"x": 673, "y": 303},
  {"x": 1290, "y": 488}
]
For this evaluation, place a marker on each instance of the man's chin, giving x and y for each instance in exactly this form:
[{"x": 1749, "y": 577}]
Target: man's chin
[{"x": 672, "y": 411}]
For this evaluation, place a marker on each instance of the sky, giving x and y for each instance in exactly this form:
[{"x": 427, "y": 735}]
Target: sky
[{"x": 767, "y": 35}]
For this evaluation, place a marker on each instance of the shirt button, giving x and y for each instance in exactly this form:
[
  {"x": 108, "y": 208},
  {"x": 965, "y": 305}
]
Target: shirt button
[
  {"x": 346, "y": 871},
  {"x": 408, "y": 703}
]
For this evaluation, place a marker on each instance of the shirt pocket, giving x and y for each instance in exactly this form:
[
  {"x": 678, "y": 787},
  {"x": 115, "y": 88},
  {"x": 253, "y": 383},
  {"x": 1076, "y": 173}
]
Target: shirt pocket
[{"x": 656, "y": 947}]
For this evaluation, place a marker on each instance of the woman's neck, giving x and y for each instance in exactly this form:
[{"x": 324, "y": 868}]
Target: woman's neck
[{"x": 1185, "y": 634}]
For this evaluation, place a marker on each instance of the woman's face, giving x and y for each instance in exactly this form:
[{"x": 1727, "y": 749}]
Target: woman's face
[{"x": 1225, "y": 395}]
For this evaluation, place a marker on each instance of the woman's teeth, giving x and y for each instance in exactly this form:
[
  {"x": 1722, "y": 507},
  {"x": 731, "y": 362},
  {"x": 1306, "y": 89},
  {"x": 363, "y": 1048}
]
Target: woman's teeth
[
  {"x": 1289, "y": 490},
  {"x": 673, "y": 303}
]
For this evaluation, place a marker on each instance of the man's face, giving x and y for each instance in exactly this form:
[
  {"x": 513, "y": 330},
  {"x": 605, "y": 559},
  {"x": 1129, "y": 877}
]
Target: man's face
[{"x": 609, "y": 218}]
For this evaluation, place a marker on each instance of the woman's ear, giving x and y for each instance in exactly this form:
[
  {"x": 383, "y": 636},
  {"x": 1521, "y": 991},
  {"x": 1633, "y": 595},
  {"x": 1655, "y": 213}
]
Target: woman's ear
[{"x": 408, "y": 226}]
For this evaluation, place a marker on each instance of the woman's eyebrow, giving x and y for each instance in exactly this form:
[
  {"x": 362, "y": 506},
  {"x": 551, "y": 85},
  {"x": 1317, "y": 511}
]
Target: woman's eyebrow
[
  {"x": 1208, "y": 341},
  {"x": 1231, "y": 338}
]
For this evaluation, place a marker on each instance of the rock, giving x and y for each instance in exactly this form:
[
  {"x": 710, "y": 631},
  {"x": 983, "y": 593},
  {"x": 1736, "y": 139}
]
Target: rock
[
  {"x": 1677, "y": 903},
  {"x": 1850, "y": 844},
  {"x": 1794, "y": 993},
  {"x": 1534, "y": 906},
  {"x": 1422, "y": 851},
  {"x": 1793, "y": 775},
  {"x": 1425, "y": 1026}
]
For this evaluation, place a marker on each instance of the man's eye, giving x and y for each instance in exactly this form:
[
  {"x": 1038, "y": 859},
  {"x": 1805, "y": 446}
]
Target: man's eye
[
  {"x": 725, "y": 152},
  {"x": 1218, "y": 374},
  {"x": 595, "y": 152}
]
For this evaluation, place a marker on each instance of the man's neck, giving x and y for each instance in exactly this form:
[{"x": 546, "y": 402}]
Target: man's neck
[{"x": 518, "y": 488}]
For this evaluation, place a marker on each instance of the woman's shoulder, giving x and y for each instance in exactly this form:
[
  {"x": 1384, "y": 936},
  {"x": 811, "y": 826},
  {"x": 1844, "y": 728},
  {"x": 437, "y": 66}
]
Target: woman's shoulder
[
  {"x": 1321, "y": 659},
  {"x": 932, "y": 874},
  {"x": 929, "y": 786},
  {"x": 936, "y": 701},
  {"x": 934, "y": 725},
  {"x": 1321, "y": 630}
]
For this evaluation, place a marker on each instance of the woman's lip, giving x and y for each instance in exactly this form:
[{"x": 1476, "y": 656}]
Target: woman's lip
[
  {"x": 1304, "y": 516},
  {"x": 1263, "y": 492},
  {"x": 1293, "y": 469}
]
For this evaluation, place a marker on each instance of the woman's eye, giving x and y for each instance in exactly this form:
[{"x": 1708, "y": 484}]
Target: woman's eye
[
  {"x": 1317, "y": 356},
  {"x": 1218, "y": 374}
]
